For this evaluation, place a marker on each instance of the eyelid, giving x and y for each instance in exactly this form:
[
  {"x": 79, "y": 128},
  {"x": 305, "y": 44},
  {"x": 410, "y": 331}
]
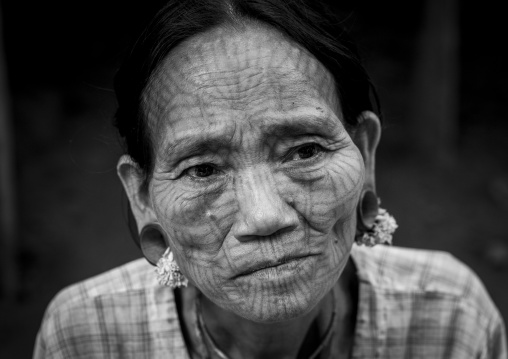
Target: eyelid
[
  {"x": 203, "y": 180},
  {"x": 187, "y": 163},
  {"x": 201, "y": 164},
  {"x": 293, "y": 150}
]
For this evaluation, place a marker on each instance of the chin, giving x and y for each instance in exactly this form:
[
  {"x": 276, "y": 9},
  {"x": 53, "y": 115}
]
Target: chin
[{"x": 272, "y": 305}]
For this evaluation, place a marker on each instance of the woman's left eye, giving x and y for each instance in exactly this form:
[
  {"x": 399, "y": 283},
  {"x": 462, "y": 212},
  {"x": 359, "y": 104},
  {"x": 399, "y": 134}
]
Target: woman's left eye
[
  {"x": 306, "y": 151},
  {"x": 201, "y": 171}
]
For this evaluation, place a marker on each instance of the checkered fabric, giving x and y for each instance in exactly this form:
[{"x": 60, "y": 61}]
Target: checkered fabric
[{"x": 412, "y": 304}]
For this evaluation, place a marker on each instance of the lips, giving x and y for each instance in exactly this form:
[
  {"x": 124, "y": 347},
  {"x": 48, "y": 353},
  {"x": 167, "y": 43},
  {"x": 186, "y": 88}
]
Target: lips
[{"x": 266, "y": 264}]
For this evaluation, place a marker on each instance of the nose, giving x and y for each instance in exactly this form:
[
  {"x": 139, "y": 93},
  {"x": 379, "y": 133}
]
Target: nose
[{"x": 262, "y": 210}]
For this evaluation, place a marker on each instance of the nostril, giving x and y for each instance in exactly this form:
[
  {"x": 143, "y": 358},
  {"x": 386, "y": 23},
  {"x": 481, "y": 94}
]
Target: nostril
[{"x": 264, "y": 226}]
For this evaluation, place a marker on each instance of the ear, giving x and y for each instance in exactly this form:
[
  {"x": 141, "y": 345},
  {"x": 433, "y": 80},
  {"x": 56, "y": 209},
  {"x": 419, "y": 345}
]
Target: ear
[
  {"x": 152, "y": 238},
  {"x": 366, "y": 137}
]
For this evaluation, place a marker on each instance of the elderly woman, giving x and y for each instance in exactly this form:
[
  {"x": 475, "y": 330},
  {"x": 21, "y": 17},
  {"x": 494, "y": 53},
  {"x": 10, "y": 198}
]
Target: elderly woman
[{"x": 251, "y": 139}]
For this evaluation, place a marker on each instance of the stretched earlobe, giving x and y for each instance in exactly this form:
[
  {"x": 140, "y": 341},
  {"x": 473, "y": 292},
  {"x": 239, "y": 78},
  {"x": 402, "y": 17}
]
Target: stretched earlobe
[
  {"x": 367, "y": 210},
  {"x": 153, "y": 242},
  {"x": 374, "y": 224},
  {"x": 155, "y": 247}
]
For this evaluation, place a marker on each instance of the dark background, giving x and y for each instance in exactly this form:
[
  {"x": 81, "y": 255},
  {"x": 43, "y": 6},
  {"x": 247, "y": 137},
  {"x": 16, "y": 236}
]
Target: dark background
[{"x": 61, "y": 58}]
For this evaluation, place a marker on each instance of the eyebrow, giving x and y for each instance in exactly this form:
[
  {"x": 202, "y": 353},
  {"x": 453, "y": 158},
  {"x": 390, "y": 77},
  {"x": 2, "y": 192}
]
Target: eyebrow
[
  {"x": 302, "y": 125},
  {"x": 192, "y": 144}
]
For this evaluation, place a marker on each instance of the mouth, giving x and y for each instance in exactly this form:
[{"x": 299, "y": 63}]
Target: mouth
[{"x": 274, "y": 267}]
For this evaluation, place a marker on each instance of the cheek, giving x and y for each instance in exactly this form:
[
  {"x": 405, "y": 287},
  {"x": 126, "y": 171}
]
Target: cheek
[
  {"x": 196, "y": 221},
  {"x": 330, "y": 201}
]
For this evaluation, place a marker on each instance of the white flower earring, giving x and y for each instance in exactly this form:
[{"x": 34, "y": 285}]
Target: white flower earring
[
  {"x": 168, "y": 272},
  {"x": 374, "y": 224},
  {"x": 151, "y": 239}
]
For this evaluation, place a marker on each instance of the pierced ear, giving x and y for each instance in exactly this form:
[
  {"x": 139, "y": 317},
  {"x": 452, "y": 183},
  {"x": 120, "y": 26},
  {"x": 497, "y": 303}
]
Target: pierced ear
[
  {"x": 153, "y": 242},
  {"x": 366, "y": 137},
  {"x": 131, "y": 177},
  {"x": 149, "y": 235}
]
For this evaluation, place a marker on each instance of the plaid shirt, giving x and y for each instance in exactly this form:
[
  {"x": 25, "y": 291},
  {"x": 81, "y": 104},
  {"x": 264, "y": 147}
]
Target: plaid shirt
[{"x": 412, "y": 304}]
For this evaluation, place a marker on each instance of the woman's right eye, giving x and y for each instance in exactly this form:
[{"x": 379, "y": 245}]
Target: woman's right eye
[{"x": 201, "y": 171}]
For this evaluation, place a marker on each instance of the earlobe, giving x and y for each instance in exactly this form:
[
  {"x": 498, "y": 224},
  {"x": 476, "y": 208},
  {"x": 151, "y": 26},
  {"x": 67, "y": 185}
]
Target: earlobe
[
  {"x": 366, "y": 137},
  {"x": 374, "y": 224},
  {"x": 153, "y": 242},
  {"x": 147, "y": 233}
]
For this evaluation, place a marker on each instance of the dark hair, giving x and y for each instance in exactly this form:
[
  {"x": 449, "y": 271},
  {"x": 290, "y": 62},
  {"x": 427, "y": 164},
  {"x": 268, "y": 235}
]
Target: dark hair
[{"x": 307, "y": 22}]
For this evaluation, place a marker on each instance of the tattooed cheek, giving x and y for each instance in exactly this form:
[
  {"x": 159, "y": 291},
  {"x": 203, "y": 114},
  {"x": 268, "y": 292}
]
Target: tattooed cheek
[
  {"x": 192, "y": 207},
  {"x": 345, "y": 227},
  {"x": 191, "y": 212}
]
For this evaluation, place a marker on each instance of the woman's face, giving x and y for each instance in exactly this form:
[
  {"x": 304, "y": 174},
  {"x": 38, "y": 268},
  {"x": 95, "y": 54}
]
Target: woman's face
[{"x": 256, "y": 180}]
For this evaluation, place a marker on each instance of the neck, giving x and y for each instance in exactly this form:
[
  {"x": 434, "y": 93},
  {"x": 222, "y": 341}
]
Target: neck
[
  {"x": 242, "y": 338},
  {"x": 238, "y": 337}
]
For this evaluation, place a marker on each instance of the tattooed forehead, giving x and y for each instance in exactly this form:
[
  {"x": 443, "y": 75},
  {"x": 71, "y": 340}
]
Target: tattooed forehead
[{"x": 249, "y": 72}]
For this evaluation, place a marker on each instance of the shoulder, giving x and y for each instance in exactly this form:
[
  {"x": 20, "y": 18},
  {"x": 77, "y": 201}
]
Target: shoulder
[
  {"x": 133, "y": 276},
  {"x": 432, "y": 273},
  {"x": 431, "y": 297},
  {"x": 405, "y": 269},
  {"x": 120, "y": 313}
]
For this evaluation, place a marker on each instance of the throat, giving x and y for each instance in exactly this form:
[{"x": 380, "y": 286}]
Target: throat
[{"x": 227, "y": 335}]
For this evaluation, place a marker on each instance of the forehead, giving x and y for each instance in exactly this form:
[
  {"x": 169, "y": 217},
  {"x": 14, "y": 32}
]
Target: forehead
[{"x": 250, "y": 73}]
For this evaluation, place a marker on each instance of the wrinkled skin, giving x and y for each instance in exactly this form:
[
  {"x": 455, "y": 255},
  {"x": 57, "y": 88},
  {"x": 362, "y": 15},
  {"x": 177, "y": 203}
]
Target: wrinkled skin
[{"x": 253, "y": 164}]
